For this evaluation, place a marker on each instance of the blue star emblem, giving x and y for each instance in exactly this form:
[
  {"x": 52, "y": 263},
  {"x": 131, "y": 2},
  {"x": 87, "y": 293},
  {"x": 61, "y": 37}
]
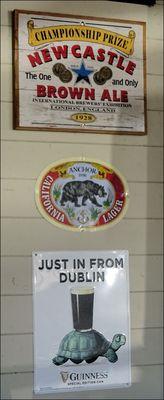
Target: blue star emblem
[{"x": 82, "y": 73}]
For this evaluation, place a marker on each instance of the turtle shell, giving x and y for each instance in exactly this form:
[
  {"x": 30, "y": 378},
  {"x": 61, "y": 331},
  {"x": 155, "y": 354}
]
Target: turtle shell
[{"x": 83, "y": 345}]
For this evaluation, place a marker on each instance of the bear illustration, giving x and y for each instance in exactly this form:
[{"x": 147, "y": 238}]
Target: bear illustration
[{"x": 88, "y": 190}]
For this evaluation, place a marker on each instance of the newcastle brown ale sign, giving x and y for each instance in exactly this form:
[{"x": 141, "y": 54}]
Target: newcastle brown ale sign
[
  {"x": 77, "y": 73},
  {"x": 81, "y": 195}
]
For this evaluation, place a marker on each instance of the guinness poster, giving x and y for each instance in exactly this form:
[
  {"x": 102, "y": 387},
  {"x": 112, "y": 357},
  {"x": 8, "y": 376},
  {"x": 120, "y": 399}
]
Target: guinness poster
[
  {"x": 81, "y": 320},
  {"x": 77, "y": 73}
]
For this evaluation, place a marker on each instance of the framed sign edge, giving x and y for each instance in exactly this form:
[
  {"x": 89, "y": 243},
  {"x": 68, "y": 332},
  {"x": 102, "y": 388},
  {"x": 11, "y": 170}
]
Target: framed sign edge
[{"x": 15, "y": 74}]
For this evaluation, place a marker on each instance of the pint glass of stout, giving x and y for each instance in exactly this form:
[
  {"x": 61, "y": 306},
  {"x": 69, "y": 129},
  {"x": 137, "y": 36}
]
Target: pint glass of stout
[{"x": 82, "y": 307}]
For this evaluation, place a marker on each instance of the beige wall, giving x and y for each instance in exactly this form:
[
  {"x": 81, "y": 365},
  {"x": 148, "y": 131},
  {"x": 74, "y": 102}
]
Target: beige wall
[{"x": 24, "y": 155}]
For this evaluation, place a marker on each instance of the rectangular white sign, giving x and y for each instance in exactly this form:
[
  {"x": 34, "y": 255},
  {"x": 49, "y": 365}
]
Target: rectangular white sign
[{"x": 81, "y": 320}]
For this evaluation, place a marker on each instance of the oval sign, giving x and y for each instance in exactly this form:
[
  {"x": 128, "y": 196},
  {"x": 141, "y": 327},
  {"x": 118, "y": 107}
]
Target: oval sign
[{"x": 82, "y": 194}]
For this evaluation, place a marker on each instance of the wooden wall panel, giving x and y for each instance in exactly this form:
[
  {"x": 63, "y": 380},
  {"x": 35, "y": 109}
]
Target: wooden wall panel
[
  {"x": 100, "y": 9},
  {"x": 34, "y": 157},
  {"x": 25, "y": 154},
  {"x": 155, "y": 22},
  {"x": 21, "y": 236}
]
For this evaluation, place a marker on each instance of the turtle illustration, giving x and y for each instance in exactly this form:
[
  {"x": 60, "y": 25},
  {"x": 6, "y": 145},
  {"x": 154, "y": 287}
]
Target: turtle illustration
[{"x": 88, "y": 345}]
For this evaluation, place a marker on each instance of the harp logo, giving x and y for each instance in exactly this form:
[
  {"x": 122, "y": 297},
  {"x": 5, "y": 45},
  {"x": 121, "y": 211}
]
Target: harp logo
[{"x": 64, "y": 376}]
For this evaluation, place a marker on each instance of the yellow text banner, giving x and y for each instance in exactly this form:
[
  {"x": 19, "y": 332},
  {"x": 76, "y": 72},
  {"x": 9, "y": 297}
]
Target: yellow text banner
[{"x": 39, "y": 36}]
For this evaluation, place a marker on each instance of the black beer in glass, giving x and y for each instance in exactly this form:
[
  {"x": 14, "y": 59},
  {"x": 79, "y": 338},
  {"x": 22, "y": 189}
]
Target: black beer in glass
[{"x": 82, "y": 308}]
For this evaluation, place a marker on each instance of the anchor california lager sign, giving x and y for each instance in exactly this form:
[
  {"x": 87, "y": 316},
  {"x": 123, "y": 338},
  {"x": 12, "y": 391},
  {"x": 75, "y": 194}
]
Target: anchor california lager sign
[
  {"x": 77, "y": 73},
  {"x": 82, "y": 194}
]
